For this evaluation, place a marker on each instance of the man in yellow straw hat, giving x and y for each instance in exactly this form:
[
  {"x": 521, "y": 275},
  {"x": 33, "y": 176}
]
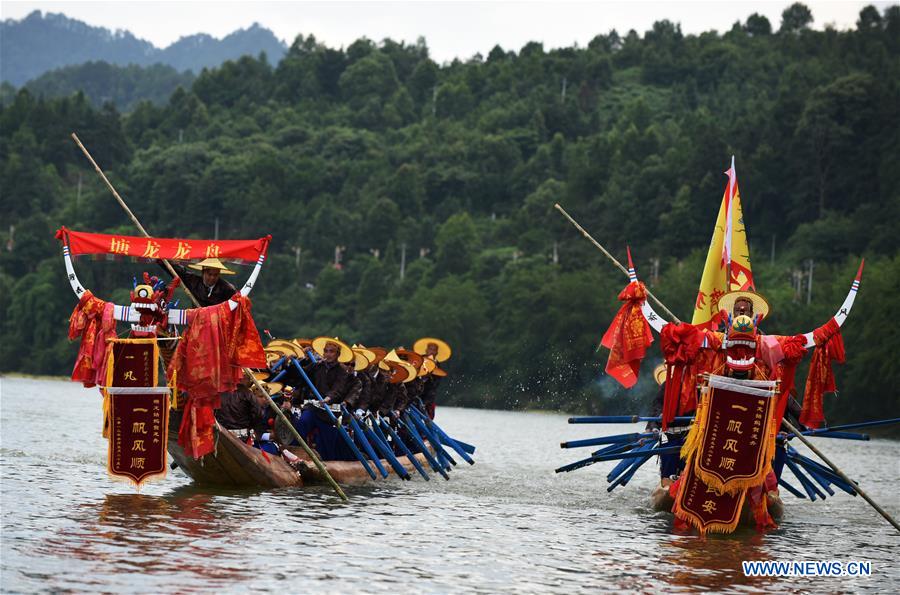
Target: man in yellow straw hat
[
  {"x": 330, "y": 378},
  {"x": 208, "y": 287},
  {"x": 437, "y": 351}
]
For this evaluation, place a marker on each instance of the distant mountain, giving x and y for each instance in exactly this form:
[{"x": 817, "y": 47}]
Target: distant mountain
[{"x": 43, "y": 42}]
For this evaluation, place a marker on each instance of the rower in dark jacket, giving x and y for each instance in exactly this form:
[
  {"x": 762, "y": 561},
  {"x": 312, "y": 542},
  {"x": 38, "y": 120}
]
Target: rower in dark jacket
[{"x": 332, "y": 381}]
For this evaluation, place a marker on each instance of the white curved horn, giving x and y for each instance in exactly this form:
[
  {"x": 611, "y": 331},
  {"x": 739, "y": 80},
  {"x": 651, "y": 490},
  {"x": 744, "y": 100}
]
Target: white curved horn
[
  {"x": 844, "y": 310},
  {"x": 77, "y": 287},
  {"x": 248, "y": 286}
]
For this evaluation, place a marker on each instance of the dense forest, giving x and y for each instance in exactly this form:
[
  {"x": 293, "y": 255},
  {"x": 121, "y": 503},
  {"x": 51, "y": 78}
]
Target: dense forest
[{"x": 408, "y": 198}]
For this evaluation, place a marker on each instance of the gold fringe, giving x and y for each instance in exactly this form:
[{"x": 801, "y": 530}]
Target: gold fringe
[
  {"x": 694, "y": 438},
  {"x": 736, "y": 484},
  {"x": 696, "y": 522}
]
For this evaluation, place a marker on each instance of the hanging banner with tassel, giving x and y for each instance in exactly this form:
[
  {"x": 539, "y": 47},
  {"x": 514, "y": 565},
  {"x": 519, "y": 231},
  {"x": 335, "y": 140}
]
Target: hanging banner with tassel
[{"x": 136, "y": 411}]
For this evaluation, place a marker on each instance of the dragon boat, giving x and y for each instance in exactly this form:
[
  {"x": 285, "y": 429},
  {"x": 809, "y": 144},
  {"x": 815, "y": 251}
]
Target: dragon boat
[
  {"x": 144, "y": 420},
  {"x": 723, "y": 432}
]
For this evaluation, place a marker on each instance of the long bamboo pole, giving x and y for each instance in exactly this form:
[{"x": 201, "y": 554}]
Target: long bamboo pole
[
  {"x": 309, "y": 451},
  {"x": 612, "y": 258},
  {"x": 852, "y": 483},
  {"x": 785, "y": 422}
]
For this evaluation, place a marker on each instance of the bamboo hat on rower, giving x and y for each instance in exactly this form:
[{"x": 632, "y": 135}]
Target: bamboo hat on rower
[
  {"x": 272, "y": 388},
  {"x": 412, "y": 357},
  {"x": 346, "y": 354},
  {"x": 360, "y": 360},
  {"x": 212, "y": 263},
  {"x": 378, "y": 353},
  {"x": 288, "y": 348},
  {"x": 428, "y": 366},
  {"x": 659, "y": 373},
  {"x": 304, "y": 343},
  {"x": 274, "y": 354},
  {"x": 400, "y": 370},
  {"x": 366, "y": 353},
  {"x": 443, "y": 349}
]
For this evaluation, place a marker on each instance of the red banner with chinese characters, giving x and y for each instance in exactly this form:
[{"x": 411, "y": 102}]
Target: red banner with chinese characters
[
  {"x": 139, "y": 421},
  {"x": 80, "y": 242},
  {"x": 706, "y": 508},
  {"x": 136, "y": 416},
  {"x": 736, "y": 433}
]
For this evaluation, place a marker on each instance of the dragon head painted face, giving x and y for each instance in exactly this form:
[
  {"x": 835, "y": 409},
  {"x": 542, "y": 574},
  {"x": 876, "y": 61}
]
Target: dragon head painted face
[
  {"x": 151, "y": 300},
  {"x": 740, "y": 344}
]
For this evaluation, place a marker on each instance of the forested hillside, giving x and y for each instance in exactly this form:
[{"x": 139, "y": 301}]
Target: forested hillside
[
  {"x": 433, "y": 187},
  {"x": 123, "y": 86}
]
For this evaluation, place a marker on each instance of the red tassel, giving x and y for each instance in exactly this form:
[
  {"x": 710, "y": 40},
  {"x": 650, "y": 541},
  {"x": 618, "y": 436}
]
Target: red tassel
[{"x": 829, "y": 348}]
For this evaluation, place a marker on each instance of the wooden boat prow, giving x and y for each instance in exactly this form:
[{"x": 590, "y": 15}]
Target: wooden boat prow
[{"x": 232, "y": 463}]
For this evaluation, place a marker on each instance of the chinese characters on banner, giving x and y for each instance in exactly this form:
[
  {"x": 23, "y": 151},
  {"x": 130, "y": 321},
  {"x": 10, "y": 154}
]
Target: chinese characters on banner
[
  {"x": 170, "y": 248},
  {"x": 730, "y": 453},
  {"x": 138, "y": 412}
]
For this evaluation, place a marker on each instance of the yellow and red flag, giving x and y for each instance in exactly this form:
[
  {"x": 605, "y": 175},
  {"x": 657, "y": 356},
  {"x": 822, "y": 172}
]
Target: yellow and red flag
[{"x": 728, "y": 260}]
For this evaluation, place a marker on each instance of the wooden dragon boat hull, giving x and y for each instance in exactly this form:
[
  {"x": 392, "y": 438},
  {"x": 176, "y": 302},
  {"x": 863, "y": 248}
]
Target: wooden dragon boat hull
[
  {"x": 235, "y": 464},
  {"x": 661, "y": 501}
]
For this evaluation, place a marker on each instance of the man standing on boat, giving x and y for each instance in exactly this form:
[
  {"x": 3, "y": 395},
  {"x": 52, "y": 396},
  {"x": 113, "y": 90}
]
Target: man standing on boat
[{"x": 208, "y": 287}]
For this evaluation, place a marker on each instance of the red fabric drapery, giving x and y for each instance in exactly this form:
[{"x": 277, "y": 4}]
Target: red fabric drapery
[
  {"x": 681, "y": 344},
  {"x": 628, "y": 336},
  {"x": 92, "y": 320},
  {"x": 80, "y": 242},
  {"x": 793, "y": 350},
  {"x": 829, "y": 348},
  {"x": 208, "y": 361}
]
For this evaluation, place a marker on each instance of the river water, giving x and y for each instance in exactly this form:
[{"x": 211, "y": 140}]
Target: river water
[{"x": 506, "y": 524}]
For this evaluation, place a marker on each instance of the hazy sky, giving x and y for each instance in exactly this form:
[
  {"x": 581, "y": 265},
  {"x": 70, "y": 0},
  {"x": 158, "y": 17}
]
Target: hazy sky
[{"x": 452, "y": 29}]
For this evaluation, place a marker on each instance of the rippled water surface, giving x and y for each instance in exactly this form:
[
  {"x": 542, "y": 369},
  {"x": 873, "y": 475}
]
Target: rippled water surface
[{"x": 506, "y": 524}]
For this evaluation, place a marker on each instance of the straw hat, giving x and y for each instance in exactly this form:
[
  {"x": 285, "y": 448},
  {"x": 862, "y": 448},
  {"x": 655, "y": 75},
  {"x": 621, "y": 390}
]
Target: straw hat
[
  {"x": 439, "y": 372},
  {"x": 360, "y": 360},
  {"x": 271, "y": 387},
  {"x": 444, "y": 351},
  {"x": 411, "y": 356},
  {"x": 288, "y": 348},
  {"x": 273, "y": 356},
  {"x": 346, "y": 354},
  {"x": 659, "y": 373},
  {"x": 427, "y": 367},
  {"x": 401, "y": 370},
  {"x": 261, "y": 375},
  {"x": 377, "y": 353},
  {"x": 760, "y": 305},
  {"x": 366, "y": 353},
  {"x": 212, "y": 263},
  {"x": 304, "y": 343}
]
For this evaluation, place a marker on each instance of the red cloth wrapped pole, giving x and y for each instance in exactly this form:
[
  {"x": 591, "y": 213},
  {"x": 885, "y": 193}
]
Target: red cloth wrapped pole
[
  {"x": 681, "y": 344},
  {"x": 829, "y": 347},
  {"x": 208, "y": 361},
  {"x": 628, "y": 336},
  {"x": 793, "y": 351},
  {"x": 92, "y": 320}
]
